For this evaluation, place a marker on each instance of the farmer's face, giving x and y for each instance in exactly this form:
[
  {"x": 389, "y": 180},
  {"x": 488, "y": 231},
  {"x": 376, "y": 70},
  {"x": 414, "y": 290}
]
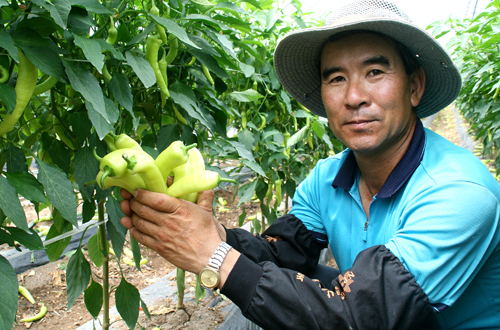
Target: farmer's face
[{"x": 367, "y": 94}]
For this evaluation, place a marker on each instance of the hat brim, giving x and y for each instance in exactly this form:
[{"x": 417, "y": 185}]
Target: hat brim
[{"x": 297, "y": 62}]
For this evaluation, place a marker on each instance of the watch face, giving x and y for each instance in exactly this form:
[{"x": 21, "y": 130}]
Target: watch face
[{"x": 209, "y": 278}]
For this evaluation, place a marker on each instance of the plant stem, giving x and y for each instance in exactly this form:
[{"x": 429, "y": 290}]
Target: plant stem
[{"x": 105, "y": 268}]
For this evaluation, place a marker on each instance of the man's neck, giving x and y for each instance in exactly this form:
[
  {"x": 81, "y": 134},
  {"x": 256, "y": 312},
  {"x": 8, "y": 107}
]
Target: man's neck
[{"x": 375, "y": 169}]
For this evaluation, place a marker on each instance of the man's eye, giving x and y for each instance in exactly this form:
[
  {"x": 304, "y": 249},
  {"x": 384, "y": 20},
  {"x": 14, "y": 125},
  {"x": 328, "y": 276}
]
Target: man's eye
[
  {"x": 375, "y": 72},
  {"x": 337, "y": 79}
]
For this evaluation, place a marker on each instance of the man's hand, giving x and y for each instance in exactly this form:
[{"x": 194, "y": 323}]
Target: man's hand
[{"x": 184, "y": 233}]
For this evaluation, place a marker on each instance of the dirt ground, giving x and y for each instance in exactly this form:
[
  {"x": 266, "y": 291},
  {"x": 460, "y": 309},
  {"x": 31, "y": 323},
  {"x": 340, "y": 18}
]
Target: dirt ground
[{"x": 47, "y": 283}]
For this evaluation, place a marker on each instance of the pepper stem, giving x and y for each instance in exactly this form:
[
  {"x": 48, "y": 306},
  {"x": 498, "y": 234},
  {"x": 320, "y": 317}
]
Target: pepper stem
[
  {"x": 99, "y": 159},
  {"x": 108, "y": 171},
  {"x": 88, "y": 183},
  {"x": 191, "y": 146},
  {"x": 227, "y": 180},
  {"x": 131, "y": 161}
]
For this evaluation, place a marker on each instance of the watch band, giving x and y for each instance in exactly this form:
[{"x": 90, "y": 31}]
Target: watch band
[{"x": 219, "y": 255}]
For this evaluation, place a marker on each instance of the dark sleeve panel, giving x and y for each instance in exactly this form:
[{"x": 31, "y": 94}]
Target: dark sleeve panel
[{"x": 376, "y": 293}]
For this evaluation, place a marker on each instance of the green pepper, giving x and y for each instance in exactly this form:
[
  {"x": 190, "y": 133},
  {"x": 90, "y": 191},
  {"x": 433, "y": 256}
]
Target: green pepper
[
  {"x": 196, "y": 163},
  {"x": 243, "y": 119},
  {"x": 143, "y": 165},
  {"x": 40, "y": 315},
  {"x": 191, "y": 62},
  {"x": 175, "y": 155},
  {"x": 110, "y": 141},
  {"x": 123, "y": 141},
  {"x": 152, "y": 46},
  {"x": 207, "y": 74},
  {"x": 179, "y": 116},
  {"x": 47, "y": 84},
  {"x": 162, "y": 64},
  {"x": 277, "y": 188},
  {"x": 159, "y": 28},
  {"x": 196, "y": 182},
  {"x": 112, "y": 32},
  {"x": 25, "y": 85},
  {"x": 129, "y": 181},
  {"x": 4, "y": 75}
]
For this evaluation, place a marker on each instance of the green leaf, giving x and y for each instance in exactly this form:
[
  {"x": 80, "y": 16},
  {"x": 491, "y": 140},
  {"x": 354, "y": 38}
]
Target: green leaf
[
  {"x": 10, "y": 204},
  {"x": 117, "y": 237},
  {"x": 145, "y": 309},
  {"x": 299, "y": 136},
  {"x": 92, "y": 51},
  {"x": 175, "y": 29},
  {"x": 142, "y": 69},
  {"x": 16, "y": 161},
  {"x": 59, "y": 10},
  {"x": 246, "y": 192},
  {"x": 91, "y": 5},
  {"x": 224, "y": 42},
  {"x": 248, "y": 70},
  {"x": 241, "y": 218},
  {"x": 27, "y": 186},
  {"x": 59, "y": 190},
  {"x": 85, "y": 169},
  {"x": 9, "y": 293},
  {"x": 209, "y": 21},
  {"x": 6, "y": 42},
  {"x": 127, "y": 302},
  {"x": 136, "y": 251},
  {"x": 122, "y": 92},
  {"x": 8, "y": 96},
  {"x": 183, "y": 96},
  {"x": 83, "y": 81},
  {"x": 272, "y": 17},
  {"x": 254, "y": 166},
  {"x": 318, "y": 128},
  {"x": 231, "y": 7},
  {"x": 246, "y": 137},
  {"x": 242, "y": 150},
  {"x": 103, "y": 123},
  {"x": 55, "y": 250},
  {"x": 78, "y": 275},
  {"x": 93, "y": 298},
  {"x": 107, "y": 47},
  {"x": 94, "y": 248},
  {"x": 249, "y": 95},
  {"x": 30, "y": 239}
]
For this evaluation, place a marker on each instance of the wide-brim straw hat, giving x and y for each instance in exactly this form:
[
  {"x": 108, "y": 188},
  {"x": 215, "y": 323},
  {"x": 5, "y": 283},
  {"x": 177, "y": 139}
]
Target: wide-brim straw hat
[{"x": 297, "y": 55}]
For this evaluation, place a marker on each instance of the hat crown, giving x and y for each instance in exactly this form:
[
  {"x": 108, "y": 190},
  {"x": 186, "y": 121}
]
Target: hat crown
[{"x": 365, "y": 9}]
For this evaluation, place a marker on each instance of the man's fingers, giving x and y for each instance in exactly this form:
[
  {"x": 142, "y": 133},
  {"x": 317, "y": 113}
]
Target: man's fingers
[
  {"x": 157, "y": 201},
  {"x": 125, "y": 206},
  {"x": 127, "y": 222},
  {"x": 205, "y": 200},
  {"x": 125, "y": 194}
]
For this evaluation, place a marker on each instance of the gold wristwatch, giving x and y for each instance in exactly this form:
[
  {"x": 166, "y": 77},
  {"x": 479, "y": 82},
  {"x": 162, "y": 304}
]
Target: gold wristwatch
[{"x": 209, "y": 276}]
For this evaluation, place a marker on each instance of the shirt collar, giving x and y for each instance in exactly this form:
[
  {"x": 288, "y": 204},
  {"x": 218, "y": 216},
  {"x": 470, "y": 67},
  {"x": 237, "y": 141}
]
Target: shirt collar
[{"x": 400, "y": 174}]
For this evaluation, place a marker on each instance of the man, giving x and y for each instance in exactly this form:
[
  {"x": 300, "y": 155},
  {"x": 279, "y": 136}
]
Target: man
[{"x": 412, "y": 219}]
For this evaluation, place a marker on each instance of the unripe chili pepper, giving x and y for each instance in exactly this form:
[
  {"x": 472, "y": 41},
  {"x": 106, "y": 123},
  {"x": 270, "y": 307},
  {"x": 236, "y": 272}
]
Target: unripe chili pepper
[
  {"x": 152, "y": 46},
  {"x": 110, "y": 141},
  {"x": 40, "y": 315},
  {"x": 496, "y": 93},
  {"x": 129, "y": 181},
  {"x": 159, "y": 28},
  {"x": 162, "y": 64},
  {"x": 244, "y": 120},
  {"x": 310, "y": 140},
  {"x": 175, "y": 155},
  {"x": 105, "y": 73},
  {"x": 25, "y": 85},
  {"x": 123, "y": 141},
  {"x": 47, "y": 84},
  {"x": 196, "y": 182},
  {"x": 179, "y": 116},
  {"x": 207, "y": 74},
  {"x": 277, "y": 188},
  {"x": 114, "y": 164},
  {"x": 191, "y": 62},
  {"x": 262, "y": 122},
  {"x": 4, "y": 75},
  {"x": 112, "y": 32},
  {"x": 172, "y": 50},
  {"x": 146, "y": 168},
  {"x": 26, "y": 294},
  {"x": 196, "y": 163}
]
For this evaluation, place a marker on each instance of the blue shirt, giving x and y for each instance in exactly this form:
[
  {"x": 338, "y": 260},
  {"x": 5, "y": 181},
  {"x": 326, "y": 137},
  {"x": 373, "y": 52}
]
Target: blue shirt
[{"x": 438, "y": 212}]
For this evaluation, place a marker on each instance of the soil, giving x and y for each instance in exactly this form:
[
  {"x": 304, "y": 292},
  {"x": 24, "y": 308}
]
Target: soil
[{"x": 47, "y": 283}]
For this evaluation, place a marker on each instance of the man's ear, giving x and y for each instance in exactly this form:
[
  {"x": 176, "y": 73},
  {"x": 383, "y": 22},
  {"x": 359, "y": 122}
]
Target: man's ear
[{"x": 418, "y": 86}]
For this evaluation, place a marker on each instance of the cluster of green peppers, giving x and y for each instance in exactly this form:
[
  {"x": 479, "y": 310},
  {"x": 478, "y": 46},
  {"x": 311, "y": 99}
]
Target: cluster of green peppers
[{"x": 128, "y": 166}]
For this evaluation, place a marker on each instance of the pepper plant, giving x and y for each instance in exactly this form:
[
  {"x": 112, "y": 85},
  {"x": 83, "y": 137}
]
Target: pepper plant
[
  {"x": 196, "y": 71},
  {"x": 475, "y": 47}
]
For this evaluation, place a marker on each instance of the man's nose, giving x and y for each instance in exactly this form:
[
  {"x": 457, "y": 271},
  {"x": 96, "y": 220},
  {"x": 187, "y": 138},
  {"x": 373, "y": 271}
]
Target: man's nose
[{"x": 355, "y": 94}]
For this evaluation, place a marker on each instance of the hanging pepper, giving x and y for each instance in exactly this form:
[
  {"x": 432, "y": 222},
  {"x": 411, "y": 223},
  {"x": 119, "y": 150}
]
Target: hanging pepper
[
  {"x": 25, "y": 85},
  {"x": 123, "y": 141},
  {"x": 129, "y": 181},
  {"x": 152, "y": 46},
  {"x": 112, "y": 32},
  {"x": 207, "y": 74}
]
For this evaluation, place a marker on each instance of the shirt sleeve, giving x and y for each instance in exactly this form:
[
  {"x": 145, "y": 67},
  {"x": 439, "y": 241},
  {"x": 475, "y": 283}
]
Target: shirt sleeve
[
  {"x": 307, "y": 202},
  {"x": 445, "y": 236}
]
